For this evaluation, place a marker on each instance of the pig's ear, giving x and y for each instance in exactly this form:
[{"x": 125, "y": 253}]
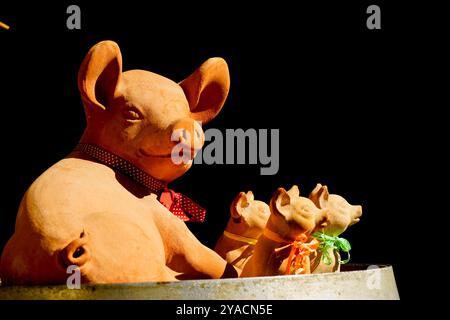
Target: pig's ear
[
  {"x": 294, "y": 191},
  {"x": 241, "y": 201},
  {"x": 323, "y": 197},
  {"x": 314, "y": 195},
  {"x": 207, "y": 88},
  {"x": 99, "y": 74},
  {"x": 250, "y": 196},
  {"x": 319, "y": 196},
  {"x": 280, "y": 202}
]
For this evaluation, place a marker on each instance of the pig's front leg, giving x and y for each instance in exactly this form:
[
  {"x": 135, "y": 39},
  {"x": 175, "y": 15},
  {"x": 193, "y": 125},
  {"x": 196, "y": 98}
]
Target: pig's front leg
[
  {"x": 187, "y": 255},
  {"x": 202, "y": 263},
  {"x": 184, "y": 253}
]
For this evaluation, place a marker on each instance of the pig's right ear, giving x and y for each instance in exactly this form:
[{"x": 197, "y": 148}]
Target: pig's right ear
[{"x": 100, "y": 74}]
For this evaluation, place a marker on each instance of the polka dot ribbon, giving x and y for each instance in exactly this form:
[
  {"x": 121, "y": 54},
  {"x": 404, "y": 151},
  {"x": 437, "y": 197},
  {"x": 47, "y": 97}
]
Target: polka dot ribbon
[{"x": 180, "y": 205}]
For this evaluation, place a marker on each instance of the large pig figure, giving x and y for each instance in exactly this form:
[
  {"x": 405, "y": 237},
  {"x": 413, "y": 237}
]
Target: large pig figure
[{"x": 106, "y": 207}]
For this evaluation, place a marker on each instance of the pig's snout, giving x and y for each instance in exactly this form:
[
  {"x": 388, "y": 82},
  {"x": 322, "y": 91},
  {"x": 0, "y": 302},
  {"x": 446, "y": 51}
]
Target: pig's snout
[
  {"x": 189, "y": 134},
  {"x": 357, "y": 213}
]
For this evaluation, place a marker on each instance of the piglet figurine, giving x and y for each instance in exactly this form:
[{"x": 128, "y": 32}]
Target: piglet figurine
[
  {"x": 292, "y": 220},
  {"x": 340, "y": 215},
  {"x": 106, "y": 208},
  {"x": 248, "y": 217}
]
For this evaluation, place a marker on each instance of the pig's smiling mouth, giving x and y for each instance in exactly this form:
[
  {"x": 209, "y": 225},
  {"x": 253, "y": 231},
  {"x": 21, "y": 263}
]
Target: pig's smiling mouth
[{"x": 141, "y": 152}]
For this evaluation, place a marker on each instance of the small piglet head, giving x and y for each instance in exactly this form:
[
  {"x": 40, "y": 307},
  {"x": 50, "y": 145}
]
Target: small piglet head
[
  {"x": 293, "y": 214},
  {"x": 141, "y": 116},
  {"x": 248, "y": 216},
  {"x": 341, "y": 214}
]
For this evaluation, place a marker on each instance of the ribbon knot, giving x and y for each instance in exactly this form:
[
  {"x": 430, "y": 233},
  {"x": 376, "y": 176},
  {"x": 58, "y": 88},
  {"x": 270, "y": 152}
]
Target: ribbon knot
[
  {"x": 181, "y": 206},
  {"x": 299, "y": 255},
  {"x": 334, "y": 243}
]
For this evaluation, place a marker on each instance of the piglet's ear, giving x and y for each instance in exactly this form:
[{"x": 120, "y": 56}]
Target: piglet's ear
[
  {"x": 323, "y": 197},
  {"x": 100, "y": 74},
  {"x": 319, "y": 196},
  {"x": 294, "y": 191},
  {"x": 280, "y": 202},
  {"x": 207, "y": 89},
  {"x": 241, "y": 201}
]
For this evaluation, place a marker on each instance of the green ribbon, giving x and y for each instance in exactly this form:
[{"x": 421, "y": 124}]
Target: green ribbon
[{"x": 327, "y": 242}]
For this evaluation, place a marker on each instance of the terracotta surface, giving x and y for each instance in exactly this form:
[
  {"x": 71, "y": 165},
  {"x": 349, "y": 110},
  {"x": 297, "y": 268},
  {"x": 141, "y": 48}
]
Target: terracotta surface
[
  {"x": 291, "y": 215},
  {"x": 341, "y": 213},
  {"x": 248, "y": 218},
  {"x": 82, "y": 212}
]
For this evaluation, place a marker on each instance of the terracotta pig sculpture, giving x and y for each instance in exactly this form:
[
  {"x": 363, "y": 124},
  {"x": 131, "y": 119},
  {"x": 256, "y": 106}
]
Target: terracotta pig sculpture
[
  {"x": 106, "y": 207},
  {"x": 292, "y": 220},
  {"x": 340, "y": 216},
  {"x": 248, "y": 218}
]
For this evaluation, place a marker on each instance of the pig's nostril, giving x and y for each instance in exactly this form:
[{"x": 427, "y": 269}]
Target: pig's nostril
[{"x": 78, "y": 252}]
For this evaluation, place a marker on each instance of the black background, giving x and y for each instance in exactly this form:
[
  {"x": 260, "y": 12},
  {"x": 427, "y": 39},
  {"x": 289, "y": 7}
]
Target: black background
[{"x": 341, "y": 95}]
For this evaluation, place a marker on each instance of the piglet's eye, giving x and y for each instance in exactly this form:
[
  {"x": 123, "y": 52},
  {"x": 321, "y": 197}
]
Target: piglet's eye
[{"x": 132, "y": 114}]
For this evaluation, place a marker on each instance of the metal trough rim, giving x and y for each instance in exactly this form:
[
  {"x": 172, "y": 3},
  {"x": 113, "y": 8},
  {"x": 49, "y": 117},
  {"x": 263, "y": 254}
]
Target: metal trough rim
[{"x": 346, "y": 285}]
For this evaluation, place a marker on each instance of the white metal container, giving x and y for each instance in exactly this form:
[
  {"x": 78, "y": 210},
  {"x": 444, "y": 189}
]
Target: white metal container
[{"x": 353, "y": 282}]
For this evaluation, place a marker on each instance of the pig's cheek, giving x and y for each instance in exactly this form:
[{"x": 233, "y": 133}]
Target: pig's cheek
[
  {"x": 259, "y": 222},
  {"x": 152, "y": 140},
  {"x": 129, "y": 133}
]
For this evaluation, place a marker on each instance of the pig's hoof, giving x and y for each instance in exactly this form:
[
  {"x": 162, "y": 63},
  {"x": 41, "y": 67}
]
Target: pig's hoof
[{"x": 76, "y": 252}]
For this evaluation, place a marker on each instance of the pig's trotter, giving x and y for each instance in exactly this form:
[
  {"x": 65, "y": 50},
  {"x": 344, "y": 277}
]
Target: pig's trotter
[{"x": 77, "y": 251}]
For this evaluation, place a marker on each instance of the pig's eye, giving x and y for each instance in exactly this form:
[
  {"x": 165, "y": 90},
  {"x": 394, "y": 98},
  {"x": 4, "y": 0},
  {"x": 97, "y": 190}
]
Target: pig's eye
[{"x": 132, "y": 114}]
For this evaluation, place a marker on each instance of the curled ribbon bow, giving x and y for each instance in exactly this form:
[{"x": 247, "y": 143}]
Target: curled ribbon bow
[
  {"x": 299, "y": 255},
  {"x": 335, "y": 243}
]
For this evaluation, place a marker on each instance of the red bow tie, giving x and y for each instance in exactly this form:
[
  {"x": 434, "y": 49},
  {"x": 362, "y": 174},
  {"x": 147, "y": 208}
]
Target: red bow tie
[{"x": 177, "y": 203}]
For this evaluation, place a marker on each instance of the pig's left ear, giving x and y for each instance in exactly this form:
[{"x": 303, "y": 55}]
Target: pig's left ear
[{"x": 207, "y": 89}]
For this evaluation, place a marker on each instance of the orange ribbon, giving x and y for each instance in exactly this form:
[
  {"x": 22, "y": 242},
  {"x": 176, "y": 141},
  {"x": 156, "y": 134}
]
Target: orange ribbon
[{"x": 300, "y": 252}]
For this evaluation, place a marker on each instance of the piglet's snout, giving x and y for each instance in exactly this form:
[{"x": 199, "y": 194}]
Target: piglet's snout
[
  {"x": 358, "y": 212},
  {"x": 189, "y": 134}
]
